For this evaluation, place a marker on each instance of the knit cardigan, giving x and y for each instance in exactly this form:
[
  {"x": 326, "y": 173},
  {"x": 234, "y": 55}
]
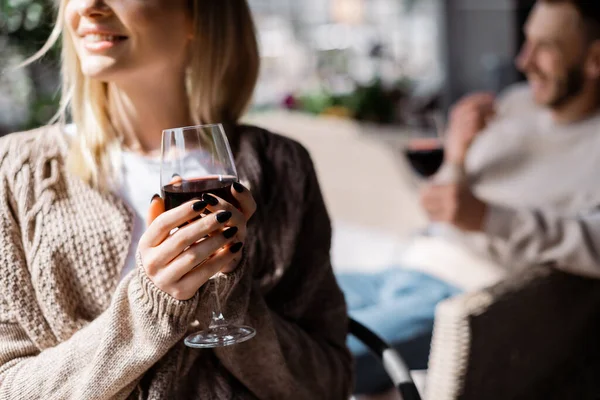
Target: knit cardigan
[{"x": 70, "y": 329}]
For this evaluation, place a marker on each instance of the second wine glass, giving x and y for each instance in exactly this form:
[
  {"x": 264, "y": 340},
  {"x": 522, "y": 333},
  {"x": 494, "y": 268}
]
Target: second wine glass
[
  {"x": 197, "y": 160},
  {"x": 424, "y": 149}
]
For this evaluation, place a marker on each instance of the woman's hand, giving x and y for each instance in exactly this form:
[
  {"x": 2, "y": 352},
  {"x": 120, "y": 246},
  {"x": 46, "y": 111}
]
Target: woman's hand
[{"x": 181, "y": 262}]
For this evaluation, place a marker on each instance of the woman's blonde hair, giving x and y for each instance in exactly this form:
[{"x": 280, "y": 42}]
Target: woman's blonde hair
[{"x": 220, "y": 81}]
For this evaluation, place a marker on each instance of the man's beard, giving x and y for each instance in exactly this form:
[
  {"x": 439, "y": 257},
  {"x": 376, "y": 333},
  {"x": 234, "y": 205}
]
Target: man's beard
[{"x": 569, "y": 88}]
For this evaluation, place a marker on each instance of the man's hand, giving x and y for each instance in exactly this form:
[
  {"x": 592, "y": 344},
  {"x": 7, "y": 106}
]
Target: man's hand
[
  {"x": 454, "y": 204},
  {"x": 467, "y": 119}
]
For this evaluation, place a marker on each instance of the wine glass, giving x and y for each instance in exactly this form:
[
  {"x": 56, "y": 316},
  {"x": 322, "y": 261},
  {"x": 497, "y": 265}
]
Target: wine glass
[
  {"x": 197, "y": 160},
  {"x": 424, "y": 149}
]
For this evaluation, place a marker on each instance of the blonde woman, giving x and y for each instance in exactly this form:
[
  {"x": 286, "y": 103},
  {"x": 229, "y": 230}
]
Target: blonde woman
[{"x": 81, "y": 317}]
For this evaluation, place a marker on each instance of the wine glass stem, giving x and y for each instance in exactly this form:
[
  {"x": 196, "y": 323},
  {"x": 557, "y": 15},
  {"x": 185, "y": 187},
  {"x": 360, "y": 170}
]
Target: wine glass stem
[{"x": 218, "y": 319}]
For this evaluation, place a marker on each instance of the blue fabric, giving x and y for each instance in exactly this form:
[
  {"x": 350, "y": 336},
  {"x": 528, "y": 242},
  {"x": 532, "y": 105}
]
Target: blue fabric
[{"x": 399, "y": 305}]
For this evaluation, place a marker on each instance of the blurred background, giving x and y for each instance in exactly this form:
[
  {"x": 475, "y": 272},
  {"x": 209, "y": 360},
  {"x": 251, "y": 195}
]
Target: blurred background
[
  {"x": 349, "y": 79},
  {"x": 371, "y": 60}
]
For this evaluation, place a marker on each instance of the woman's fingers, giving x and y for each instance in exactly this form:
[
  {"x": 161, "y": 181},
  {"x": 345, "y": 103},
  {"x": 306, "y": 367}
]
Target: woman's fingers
[
  {"x": 216, "y": 204},
  {"x": 186, "y": 287},
  {"x": 161, "y": 227},
  {"x": 157, "y": 204},
  {"x": 244, "y": 198},
  {"x": 212, "y": 224},
  {"x": 201, "y": 252},
  {"x": 233, "y": 264},
  {"x": 157, "y": 207},
  {"x": 222, "y": 259}
]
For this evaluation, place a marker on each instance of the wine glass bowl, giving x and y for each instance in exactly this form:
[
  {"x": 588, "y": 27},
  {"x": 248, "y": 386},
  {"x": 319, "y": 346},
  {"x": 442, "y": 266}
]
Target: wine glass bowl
[
  {"x": 426, "y": 156},
  {"x": 181, "y": 191},
  {"x": 424, "y": 148}
]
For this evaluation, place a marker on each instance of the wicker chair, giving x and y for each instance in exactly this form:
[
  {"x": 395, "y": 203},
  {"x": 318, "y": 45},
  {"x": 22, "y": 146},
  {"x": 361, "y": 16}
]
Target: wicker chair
[{"x": 535, "y": 335}]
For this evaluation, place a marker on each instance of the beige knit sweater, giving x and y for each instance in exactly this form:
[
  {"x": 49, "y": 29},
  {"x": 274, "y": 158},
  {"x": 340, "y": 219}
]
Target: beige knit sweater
[{"x": 70, "y": 330}]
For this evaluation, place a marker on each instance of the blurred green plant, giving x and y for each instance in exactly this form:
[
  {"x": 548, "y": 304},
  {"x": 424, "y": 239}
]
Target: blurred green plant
[
  {"x": 24, "y": 28},
  {"x": 27, "y": 22},
  {"x": 373, "y": 102}
]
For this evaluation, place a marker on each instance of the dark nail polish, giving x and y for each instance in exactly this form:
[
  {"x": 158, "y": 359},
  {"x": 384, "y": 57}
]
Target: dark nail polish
[
  {"x": 210, "y": 199},
  {"x": 224, "y": 216},
  {"x": 175, "y": 176},
  {"x": 236, "y": 247},
  {"x": 229, "y": 233},
  {"x": 199, "y": 206},
  {"x": 238, "y": 187},
  {"x": 156, "y": 196}
]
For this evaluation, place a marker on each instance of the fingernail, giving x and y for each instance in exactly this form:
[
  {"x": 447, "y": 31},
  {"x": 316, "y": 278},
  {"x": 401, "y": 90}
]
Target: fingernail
[
  {"x": 210, "y": 199},
  {"x": 229, "y": 233},
  {"x": 238, "y": 187},
  {"x": 199, "y": 206},
  {"x": 156, "y": 196},
  {"x": 236, "y": 247},
  {"x": 224, "y": 216},
  {"x": 175, "y": 176}
]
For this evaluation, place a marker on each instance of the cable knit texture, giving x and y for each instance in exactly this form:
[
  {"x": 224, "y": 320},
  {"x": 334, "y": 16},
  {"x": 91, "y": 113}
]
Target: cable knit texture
[{"x": 70, "y": 330}]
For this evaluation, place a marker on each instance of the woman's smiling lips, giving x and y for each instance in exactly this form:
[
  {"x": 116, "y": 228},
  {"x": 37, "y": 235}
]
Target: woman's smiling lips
[{"x": 96, "y": 40}]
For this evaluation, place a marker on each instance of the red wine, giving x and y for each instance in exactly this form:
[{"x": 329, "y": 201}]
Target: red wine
[
  {"x": 176, "y": 194},
  {"x": 426, "y": 157}
]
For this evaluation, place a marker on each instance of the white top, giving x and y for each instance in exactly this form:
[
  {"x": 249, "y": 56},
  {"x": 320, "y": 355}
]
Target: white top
[
  {"x": 531, "y": 161},
  {"x": 140, "y": 180}
]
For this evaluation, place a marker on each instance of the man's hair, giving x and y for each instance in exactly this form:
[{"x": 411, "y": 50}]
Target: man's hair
[{"x": 589, "y": 11}]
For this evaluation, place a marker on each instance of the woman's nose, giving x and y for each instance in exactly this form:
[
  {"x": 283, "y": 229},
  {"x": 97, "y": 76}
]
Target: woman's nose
[{"x": 93, "y": 8}]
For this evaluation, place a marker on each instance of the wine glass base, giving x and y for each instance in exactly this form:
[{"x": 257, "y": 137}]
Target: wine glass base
[{"x": 220, "y": 336}]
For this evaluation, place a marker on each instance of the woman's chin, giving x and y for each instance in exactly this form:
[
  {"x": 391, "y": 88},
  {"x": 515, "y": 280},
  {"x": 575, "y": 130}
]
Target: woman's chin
[{"x": 103, "y": 71}]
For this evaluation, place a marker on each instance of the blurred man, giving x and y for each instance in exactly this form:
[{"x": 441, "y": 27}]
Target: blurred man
[
  {"x": 532, "y": 179},
  {"x": 530, "y": 173}
]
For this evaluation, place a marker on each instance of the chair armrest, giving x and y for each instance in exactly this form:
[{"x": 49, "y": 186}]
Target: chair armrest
[
  {"x": 510, "y": 341},
  {"x": 393, "y": 363}
]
